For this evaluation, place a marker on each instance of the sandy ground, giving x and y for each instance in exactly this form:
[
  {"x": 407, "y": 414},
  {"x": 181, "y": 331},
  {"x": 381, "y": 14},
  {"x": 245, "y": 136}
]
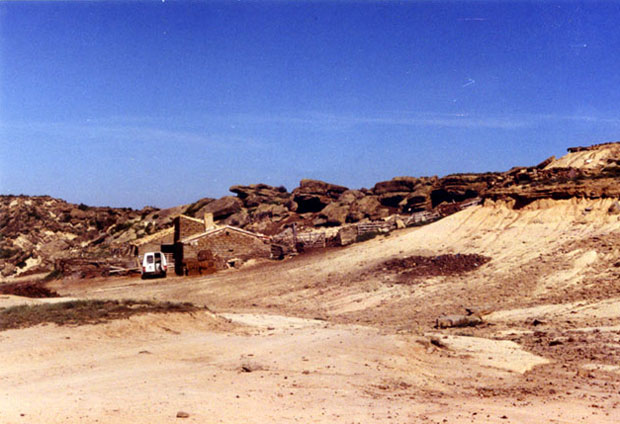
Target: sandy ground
[
  {"x": 588, "y": 159},
  {"x": 332, "y": 337}
]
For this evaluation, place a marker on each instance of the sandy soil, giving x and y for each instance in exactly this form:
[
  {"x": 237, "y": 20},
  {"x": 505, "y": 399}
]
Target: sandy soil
[
  {"x": 588, "y": 159},
  {"x": 331, "y": 336}
]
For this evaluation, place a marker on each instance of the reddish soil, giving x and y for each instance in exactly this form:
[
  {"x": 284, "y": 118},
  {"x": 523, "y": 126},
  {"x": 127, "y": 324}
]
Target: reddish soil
[
  {"x": 28, "y": 289},
  {"x": 428, "y": 266},
  {"x": 83, "y": 312}
]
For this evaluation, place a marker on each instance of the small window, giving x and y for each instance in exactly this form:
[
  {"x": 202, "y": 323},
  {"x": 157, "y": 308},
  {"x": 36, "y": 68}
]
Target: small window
[{"x": 149, "y": 259}]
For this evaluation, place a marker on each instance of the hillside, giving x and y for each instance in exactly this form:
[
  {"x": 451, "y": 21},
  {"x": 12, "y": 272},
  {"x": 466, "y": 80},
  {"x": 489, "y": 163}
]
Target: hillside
[
  {"x": 341, "y": 335},
  {"x": 36, "y": 231},
  {"x": 349, "y": 334}
]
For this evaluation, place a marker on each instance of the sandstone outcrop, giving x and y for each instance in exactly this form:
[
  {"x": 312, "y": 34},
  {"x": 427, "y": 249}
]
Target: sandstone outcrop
[
  {"x": 334, "y": 214},
  {"x": 222, "y": 208},
  {"x": 314, "y": 195},
  {"x": 460, "y": 187},
  {"x": 405, "y": 193},
  {"x": 38, "y": 231},
  {"x": 367, "y": 208},
  {"x": 254, "y": 195}
]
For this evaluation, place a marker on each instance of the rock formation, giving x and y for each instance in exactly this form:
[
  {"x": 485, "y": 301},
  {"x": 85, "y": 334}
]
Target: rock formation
[{"x": 36, "y": 231}]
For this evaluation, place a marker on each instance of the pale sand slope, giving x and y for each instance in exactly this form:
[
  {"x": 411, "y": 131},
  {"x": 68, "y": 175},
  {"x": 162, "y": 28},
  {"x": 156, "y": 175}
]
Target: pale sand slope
[
  {"x": 146, "y": 369},
  {"x": 512, "y": 238},
  {"x": 589, "y": 159},
  {"x": 536, "y": 250},
  {"x": 382, "y": 371}
]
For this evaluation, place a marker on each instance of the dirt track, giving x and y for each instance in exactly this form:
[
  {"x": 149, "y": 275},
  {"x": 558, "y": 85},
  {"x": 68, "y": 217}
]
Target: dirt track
[{"x": 333, "y": 337}]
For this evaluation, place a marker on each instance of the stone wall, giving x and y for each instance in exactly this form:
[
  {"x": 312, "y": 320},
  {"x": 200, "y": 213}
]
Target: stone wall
[
  {"x": 228, "y": 244},
  {"x": 154, "y": 245},
  {"x": 185, "y": 227}
]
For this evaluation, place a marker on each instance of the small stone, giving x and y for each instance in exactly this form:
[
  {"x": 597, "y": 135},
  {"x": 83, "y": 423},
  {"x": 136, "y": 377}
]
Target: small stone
[
  {"x": 182, "y": 414},
  {"x": 614, "y": 209}
]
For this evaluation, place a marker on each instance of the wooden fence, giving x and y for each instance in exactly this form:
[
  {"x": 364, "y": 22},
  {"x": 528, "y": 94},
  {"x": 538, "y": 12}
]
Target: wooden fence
[
  {"x": 373, "y": 227},
  {"x": 311, "y": 240},
  {"x": 423, "y": 217}
]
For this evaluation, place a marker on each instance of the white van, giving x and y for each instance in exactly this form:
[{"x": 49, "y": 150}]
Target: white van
[{"x": 155, "y": 264}]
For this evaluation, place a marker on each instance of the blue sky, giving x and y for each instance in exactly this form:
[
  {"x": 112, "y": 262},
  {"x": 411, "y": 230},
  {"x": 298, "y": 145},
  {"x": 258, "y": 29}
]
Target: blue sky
[{"x": 161, "y": 103}]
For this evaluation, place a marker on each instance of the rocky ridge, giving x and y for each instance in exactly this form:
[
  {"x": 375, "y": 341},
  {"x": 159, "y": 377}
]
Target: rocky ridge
[{"x": 37, "y": 230}]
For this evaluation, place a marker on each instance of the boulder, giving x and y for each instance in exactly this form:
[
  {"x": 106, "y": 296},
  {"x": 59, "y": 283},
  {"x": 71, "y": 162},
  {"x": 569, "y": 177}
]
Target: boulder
[
  {"x": 347, "y": 235},
  {"x": 366, "y": 207},
  {"x": 239, "y": 219},
  {"x": 286, "y": 236},
  {"x": 269, "y": 211},
  {"x": 406, "y": 193},
  {"x": 460, "y": 187},
  {"x": 54, "y": 248},
  {"x": 393, "y": 199},
  {"x": 291, "y": 205},
  {"x": 196, "y": 209},
  {"x": 614, "y": 209},
  {"x": 8, "y": 269},
  {"x": 254, "y": 195},
  {"x": 333, "y": 214},
  {"x": 396, "y": 185},
  {"x": 419, "y": 200},
  {"x": 222, "y": 207},
  {"x": 450, "y": 321},
  {"x": 314, "y": 195},
  {"x": 77, "y": 214},
  {"x": 350, "y": 196}
]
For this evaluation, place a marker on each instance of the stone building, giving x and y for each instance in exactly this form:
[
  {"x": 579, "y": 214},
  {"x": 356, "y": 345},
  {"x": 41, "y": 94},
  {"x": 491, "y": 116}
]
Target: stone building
[
  {"x": 160, "y": 241},
  {"x": 191, "y": 239},
  {"x": 227, "y": 245}
]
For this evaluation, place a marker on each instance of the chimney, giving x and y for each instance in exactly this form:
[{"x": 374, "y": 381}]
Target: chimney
[{"x": 208, "y": 221}]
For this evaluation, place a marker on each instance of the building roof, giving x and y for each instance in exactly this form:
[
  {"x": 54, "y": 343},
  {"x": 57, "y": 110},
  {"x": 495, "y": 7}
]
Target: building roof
[
  {"x": 154, "y": 236},
  {"x": 163, "y": 233},
  {"x": 225, "y": 227},
  {"x": 192, "y": 218}
]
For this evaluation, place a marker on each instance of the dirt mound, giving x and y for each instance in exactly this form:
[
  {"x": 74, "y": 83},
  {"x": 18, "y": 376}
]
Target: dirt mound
[
  {"x": 28, "y": 289},
  {"x": 81, "y": 312},
  {"x": 429, "y": 266}
]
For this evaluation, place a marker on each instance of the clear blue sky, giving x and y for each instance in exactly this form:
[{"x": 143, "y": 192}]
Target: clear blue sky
[{"x": 160, "y": 103}]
